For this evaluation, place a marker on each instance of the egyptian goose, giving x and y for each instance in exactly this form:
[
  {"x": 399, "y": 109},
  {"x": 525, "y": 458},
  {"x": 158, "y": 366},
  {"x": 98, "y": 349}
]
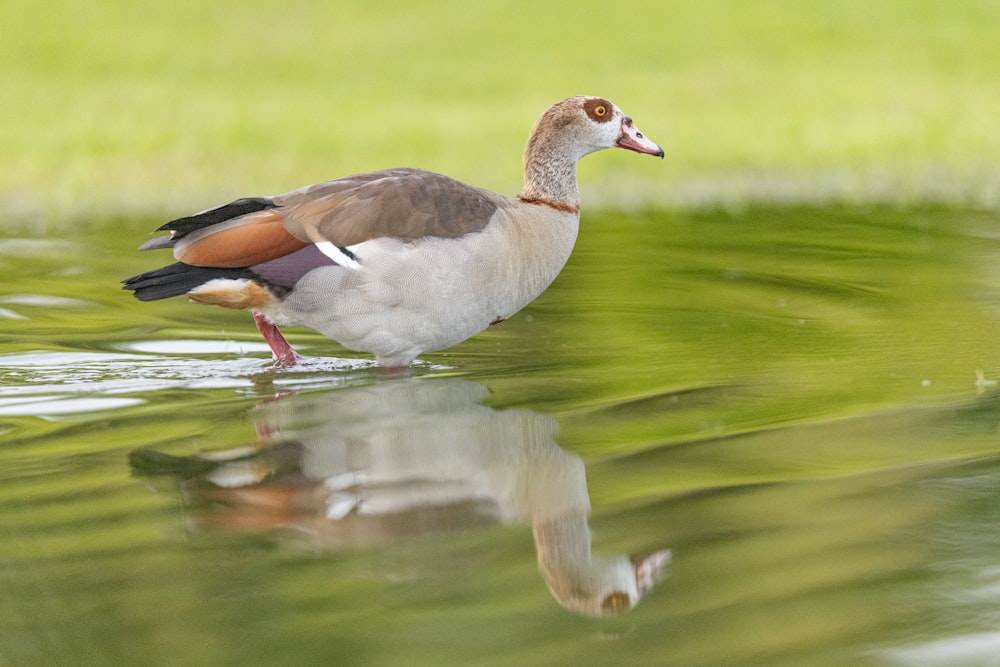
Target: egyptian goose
[{"x": 395, "y": 262}]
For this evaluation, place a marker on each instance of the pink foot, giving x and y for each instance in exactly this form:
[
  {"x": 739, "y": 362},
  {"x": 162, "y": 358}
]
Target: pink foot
[{"x": 283, "y": 352}]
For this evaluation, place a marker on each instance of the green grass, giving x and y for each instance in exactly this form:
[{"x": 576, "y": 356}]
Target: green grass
[{"x": 113, "y": 106}]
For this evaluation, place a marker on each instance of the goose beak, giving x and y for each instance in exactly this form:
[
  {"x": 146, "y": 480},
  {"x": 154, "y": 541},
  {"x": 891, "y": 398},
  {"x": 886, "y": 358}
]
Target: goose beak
[{"x": 634, "y": 140}]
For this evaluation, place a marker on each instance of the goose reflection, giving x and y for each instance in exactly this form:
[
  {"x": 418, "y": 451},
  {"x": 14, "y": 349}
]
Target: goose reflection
[{"x": 372, "y": 465}]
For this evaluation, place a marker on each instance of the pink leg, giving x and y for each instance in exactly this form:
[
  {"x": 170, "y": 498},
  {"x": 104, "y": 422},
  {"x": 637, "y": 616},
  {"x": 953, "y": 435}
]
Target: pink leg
[{"x": 284, "y": 353}]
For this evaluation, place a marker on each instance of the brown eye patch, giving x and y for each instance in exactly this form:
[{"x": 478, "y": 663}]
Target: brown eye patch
[{"x": 598, "y": 109}]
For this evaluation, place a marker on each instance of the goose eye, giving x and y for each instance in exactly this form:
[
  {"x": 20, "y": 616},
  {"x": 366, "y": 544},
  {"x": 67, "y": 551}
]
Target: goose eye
[{"x": 599, "y": 110}]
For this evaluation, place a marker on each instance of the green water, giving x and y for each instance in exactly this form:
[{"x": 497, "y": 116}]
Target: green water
[{"x": 788, "y": 412}]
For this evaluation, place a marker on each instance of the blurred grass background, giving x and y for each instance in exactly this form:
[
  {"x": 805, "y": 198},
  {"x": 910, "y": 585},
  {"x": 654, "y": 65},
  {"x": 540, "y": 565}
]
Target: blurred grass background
[{"x": 113, "y": 108}]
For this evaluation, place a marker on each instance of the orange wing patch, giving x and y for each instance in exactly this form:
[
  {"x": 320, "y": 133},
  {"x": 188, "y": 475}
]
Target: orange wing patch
[{"x": 252, "y": 239}]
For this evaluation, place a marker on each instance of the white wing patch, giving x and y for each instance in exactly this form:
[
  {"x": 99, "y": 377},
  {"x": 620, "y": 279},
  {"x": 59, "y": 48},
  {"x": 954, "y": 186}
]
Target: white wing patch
[{"x": 336, "y": 253}]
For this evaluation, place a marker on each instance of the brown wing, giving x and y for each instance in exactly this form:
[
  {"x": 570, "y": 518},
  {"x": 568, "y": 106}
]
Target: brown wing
[{"x": 399, "y": 203}]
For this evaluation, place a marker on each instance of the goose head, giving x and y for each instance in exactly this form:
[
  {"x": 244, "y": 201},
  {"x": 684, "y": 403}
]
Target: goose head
[
  {"x": 566, "y": 132},
  {"x": 580, "y": 125}
]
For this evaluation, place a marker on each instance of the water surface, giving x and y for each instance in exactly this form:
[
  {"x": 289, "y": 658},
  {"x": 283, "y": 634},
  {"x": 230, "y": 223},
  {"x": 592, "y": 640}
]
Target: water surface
[{"x": 761, "y": 435}]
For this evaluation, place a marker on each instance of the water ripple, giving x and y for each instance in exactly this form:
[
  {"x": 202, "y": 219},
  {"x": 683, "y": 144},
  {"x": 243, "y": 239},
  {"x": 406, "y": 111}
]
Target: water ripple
[{"x": 47, "y": 384}]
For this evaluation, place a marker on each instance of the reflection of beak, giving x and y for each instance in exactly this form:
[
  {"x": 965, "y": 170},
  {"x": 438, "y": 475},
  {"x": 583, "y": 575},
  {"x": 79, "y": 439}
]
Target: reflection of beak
[
  {"x": 633, "y": 140},
  {"x": 649, "y": 569}
]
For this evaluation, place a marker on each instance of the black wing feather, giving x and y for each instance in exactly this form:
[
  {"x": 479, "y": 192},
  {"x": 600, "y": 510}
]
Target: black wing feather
[
  {"x": 179, "y": 278},
  {"x": 183, "y": 226}
]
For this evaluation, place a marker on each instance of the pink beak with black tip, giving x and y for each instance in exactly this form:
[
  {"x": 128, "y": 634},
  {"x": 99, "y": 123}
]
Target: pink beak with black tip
[{"x": 634, "y": 140}]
